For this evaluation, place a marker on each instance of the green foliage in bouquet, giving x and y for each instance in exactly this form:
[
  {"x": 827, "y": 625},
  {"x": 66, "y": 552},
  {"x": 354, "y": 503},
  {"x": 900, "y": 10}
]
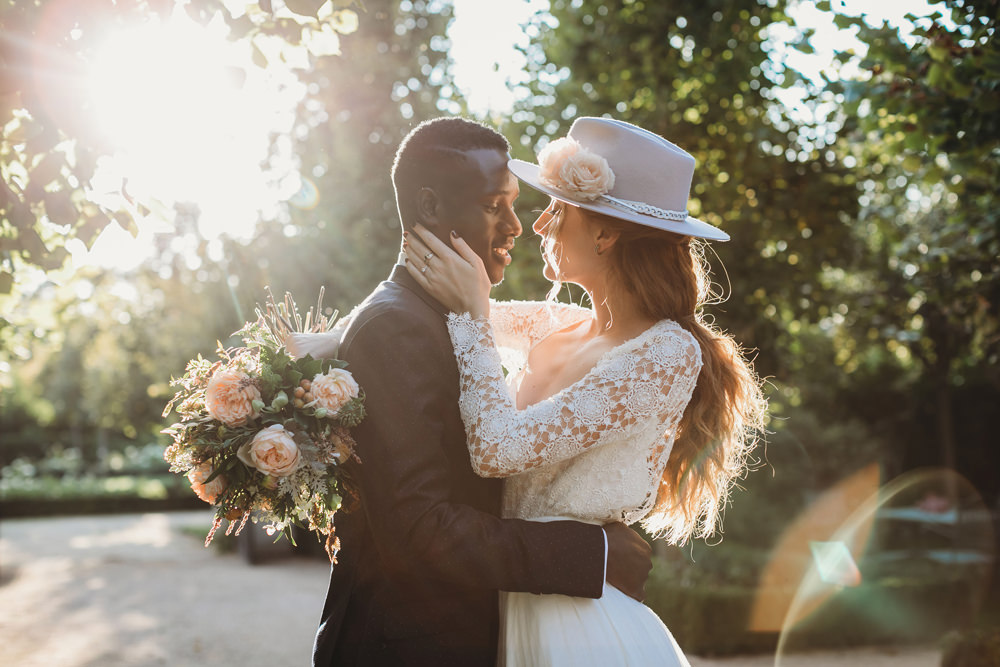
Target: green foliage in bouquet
[{"x": 265, "y": 436}]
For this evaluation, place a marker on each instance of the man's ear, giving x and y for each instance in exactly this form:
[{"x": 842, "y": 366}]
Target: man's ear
[{"x": 428, "y": 207}]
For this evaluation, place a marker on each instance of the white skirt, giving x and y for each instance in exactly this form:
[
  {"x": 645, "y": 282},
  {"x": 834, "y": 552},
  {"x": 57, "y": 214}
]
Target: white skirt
[
  {"x": 555, "y": 630},
  {"x": 547, "y": 630}
]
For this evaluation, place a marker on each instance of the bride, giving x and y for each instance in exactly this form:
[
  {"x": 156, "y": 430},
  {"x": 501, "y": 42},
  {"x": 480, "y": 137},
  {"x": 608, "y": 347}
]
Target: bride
[{"x": 634, "y": 409}]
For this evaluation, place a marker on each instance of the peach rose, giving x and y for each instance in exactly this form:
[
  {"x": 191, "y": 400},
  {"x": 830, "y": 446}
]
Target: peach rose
[
  {"x": 272, "y": 451},
  {"x": 573, "y": 170},
  {"x": 208, "y": 492},
  {"x": 230, "y": 396},
  {"x": 331, "y": 390}
]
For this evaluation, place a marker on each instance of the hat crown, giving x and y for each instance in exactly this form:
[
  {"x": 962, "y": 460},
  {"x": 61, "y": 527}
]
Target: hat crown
[
  {"x": 647, "y": 167},
  {"x": 650, "y": 184}
]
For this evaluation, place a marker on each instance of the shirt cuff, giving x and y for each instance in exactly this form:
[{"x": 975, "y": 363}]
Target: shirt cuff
[{"x": 604, "y": 581}]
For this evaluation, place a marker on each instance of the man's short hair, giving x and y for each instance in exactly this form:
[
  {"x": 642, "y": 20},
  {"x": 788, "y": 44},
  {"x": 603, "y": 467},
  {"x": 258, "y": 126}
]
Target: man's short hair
[{"x": 437, "y": 146}]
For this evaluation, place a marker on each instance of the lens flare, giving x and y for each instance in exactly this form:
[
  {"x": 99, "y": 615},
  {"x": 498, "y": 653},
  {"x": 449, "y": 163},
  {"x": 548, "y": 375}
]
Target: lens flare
[
  {"x": 790, "y": 587},
  {"x": 907, "y": 560},
  {"x": 190, "y": 120},
  {"x": 834, "y": 563}
]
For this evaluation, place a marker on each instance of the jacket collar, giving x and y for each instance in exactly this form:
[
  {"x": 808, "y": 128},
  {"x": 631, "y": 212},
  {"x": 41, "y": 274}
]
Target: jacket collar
[{"x": 402, "y": 277}]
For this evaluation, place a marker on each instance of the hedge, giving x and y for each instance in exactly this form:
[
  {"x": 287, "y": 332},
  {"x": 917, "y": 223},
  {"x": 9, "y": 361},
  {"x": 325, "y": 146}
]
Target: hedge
[{"x": 714, "y": 620}]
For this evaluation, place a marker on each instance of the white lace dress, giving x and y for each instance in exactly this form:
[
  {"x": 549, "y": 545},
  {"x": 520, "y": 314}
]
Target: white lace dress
[{"x": 593, "y": 452}]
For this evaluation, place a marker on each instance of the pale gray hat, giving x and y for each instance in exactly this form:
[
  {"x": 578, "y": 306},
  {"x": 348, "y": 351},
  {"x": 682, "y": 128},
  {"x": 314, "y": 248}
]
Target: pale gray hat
[{"x": 615, "y": 168}]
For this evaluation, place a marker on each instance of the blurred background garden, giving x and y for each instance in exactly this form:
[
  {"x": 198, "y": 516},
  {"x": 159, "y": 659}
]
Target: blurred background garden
[{"x": 163, "y": 162}]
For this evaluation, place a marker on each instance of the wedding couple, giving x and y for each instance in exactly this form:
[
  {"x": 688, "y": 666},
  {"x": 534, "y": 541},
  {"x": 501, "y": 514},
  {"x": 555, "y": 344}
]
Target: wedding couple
[{"x": 473, "y": 483}]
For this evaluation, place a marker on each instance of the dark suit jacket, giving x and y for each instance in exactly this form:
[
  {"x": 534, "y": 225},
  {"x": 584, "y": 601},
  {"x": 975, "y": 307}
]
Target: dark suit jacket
[{"x": 423, "y": 559}]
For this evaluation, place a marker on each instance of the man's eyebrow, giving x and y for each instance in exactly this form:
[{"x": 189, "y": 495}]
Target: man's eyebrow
[{"x": 502, "y": 192}]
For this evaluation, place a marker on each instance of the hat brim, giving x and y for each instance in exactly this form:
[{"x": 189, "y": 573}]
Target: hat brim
[{"x": 528, "y": 173}]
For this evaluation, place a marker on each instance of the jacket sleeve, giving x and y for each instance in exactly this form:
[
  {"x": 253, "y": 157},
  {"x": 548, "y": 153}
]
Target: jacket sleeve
[{"x": 406, "y": 478}]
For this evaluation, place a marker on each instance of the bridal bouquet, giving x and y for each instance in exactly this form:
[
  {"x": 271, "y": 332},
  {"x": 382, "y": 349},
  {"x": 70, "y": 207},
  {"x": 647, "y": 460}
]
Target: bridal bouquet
[{"x": 264, "y": 436}]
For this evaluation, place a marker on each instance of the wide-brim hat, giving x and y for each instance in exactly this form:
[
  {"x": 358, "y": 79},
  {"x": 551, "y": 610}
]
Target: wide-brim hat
[{"x": 621, "y": 170}]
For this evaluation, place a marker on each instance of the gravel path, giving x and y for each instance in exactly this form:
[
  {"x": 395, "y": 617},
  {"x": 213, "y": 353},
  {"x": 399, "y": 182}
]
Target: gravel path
[{"x": 137, "y": 590}]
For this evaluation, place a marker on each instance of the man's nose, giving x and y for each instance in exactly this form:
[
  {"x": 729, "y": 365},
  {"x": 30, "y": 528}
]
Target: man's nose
[{"x": 514, "y": 223}]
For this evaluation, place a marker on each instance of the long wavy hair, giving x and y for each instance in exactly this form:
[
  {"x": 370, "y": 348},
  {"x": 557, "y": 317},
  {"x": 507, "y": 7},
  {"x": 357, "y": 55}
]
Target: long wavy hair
[{"x": 668, "y": 276}]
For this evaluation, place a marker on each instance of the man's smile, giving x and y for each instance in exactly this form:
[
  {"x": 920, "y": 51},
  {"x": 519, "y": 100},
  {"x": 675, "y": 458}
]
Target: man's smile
[{"x": 502, "y": 249}]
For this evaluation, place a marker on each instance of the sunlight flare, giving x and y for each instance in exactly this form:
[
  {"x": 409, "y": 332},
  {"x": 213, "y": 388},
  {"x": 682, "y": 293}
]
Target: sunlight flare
[{"x": 190, "y": 119}]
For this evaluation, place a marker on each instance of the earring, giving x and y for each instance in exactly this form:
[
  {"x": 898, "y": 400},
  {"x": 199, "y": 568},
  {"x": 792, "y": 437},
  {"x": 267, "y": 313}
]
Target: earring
[{"x": 597, "y": 248}]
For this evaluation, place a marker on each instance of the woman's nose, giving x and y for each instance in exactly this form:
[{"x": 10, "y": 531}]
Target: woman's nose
[{"x": 542, "y": 221}]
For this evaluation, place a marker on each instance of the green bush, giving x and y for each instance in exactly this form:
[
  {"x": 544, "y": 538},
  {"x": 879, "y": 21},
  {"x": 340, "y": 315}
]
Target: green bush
[
  {"x": 887, "y": 612},
  {"x": 709, "y": 614},
  {"x": 50, "y": 487},
  {"x": 973, "y": 648},
  {"x": 705, "y": 596},
  {"x": 135, "y": 479},
  {"x": 709, "y": 621}
]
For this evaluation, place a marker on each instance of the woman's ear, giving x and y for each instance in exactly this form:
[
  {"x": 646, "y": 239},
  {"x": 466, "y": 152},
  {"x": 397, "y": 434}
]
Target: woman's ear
[
  {"x": 428, "y": 207},
  {"x": 605, "y": 238}
]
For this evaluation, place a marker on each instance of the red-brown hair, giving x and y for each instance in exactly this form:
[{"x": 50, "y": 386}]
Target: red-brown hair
[{"x": 667, "y": 275}]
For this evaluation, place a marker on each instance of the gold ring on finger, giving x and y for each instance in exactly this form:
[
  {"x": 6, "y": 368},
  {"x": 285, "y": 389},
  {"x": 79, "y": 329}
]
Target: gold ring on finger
[
  {"x": 423, "y": 270},
  {"x": 427, "y": 257}
]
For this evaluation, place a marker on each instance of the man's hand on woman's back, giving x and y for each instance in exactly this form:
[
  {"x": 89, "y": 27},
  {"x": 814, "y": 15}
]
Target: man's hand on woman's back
[{"x": 630, "y": 558}]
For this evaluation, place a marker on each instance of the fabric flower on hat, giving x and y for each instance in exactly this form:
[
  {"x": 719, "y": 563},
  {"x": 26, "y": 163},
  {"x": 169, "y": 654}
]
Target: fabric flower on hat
[
  {"x": 230, "y": 396},
  {"x": 578, "y": 173},
  {"x": 333, "y": 389}
]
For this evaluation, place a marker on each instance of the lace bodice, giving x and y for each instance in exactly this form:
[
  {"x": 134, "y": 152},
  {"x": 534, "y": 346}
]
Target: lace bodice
[{"x": 595, "y": 450}]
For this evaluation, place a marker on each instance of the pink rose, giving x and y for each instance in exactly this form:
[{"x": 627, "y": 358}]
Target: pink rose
[
  {"x": 573, "y": 170},
  {"x": 272, "y": 451},
  {"x": 230, "y": 396},
  {"x": 208, "y": 492},
  {"x": 331, "y": 390}
]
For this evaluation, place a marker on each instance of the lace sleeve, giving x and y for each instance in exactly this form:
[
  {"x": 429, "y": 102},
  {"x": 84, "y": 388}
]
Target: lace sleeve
[
  {"x": 647, "y": 380},
  {"x": 518, "y": 325}
]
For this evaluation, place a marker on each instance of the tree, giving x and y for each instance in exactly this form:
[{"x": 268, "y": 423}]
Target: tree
[
  {"x": 704, "y": 75},
  {"x": 391, "y": 75},
  {"x": 698, "y": 74},
  {"x": 922, "y": 124},
  {"x": 86, "y": 360},
  {"x": 49, "y": 141}
]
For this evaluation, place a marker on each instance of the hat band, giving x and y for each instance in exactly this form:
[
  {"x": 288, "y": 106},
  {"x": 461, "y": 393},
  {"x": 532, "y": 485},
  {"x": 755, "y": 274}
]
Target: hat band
[{"x": 646, "y": 209}]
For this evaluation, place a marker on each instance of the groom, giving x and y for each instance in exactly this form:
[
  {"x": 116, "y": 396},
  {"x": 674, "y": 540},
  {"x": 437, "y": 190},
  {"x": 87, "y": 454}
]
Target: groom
[{"x": 425, "y": 554}]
